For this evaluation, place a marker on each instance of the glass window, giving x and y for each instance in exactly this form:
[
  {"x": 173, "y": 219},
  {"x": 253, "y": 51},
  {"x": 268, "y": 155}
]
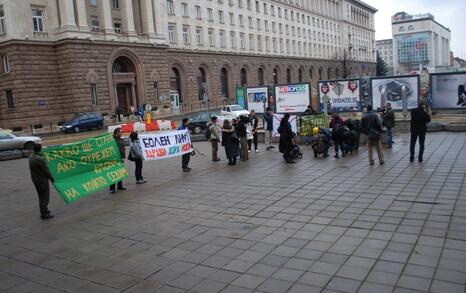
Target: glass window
[
  {"x": 211, "y": 38},
  {"x": 221, "y": 19},
  {"x": 232, "y": 19},
  {"x": 221, "y": 36},
  {"x": 241, "y": 20},
  {"x": 6, "y": 64},
  {"x": 38, "y": 20},
  {"x": 171, "y": 33},
  {"x": 94, "y": 23},
  {"x": 198, "y": 12},
  {"x": 2, "y": 21},
  {"x": 199, "y": 36},
  {"x": 233, "y": 39},
  {"x": 117, "y": 26},
  {"x": 185, "y": 35},
  {"x": 402, "y": 29},
  {"x": 170, "y": 7},
  {"x": 9, "y": 99},
  {"x": 94, "y": 94},
  {"x": 242, "y": 41},
  {"x": 93, "y": 2},
  {"x": 210, "y": 15},
  {"x": 184, "y": 9},
  {"x": 115, "y": 4}
]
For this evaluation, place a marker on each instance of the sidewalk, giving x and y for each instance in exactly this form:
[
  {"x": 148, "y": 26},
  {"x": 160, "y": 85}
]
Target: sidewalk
[{"x": 320, "y": 225}]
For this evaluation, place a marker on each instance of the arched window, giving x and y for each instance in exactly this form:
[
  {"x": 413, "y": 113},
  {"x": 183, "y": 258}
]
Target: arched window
[
  {"x": 224, "y": 83},
  {"x": 320, "y": 73},
  {"x": 243, "y": 77},
  {"x": 260, "y": 76},
  {"x": 275, "y": 76},
  {"x": 175, "y": 85},
  {"x": 300, "y": 75},
  {"x": 288, "y": 75},
  {"x": 202, "y": 85},
  {"x": 402, "y": 29},
  {"x": 329, "y": 73},
  {"x": 122, "y": 65},
  {"x": 337, "y": 73},
  {"x": 410, "y": 28},
  {"x": 311, "y": 73}
]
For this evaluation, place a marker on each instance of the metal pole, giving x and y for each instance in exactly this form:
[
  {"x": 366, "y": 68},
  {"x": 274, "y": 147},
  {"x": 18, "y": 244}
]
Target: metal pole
[{"x": 404, "y": 101}]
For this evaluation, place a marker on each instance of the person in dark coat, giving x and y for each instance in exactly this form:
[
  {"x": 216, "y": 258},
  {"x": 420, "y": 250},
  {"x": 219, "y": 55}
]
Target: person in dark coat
[
  {"x": 268, "y": 122},
  {"x": 230, "y": 141},
  {"x": 121, "y": 148},
  {"x": 40, "y": 175},
  {"x": 243, "y": 137},
  {"x": 286, "y": 138},
  {"x": 136, "y": 153},
  {"x": 419, "y": 119},
  {"x": 186, "y": 157},
  {"x": 389, "y": 123}
]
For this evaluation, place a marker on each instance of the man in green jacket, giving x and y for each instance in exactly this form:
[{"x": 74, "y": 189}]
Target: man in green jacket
[
  {"x": 40, "y": 175},
  {"x": 389, "y": 123}
]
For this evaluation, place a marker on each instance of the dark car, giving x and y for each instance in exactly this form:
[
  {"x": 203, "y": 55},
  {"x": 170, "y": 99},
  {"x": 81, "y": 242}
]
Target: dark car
[
  {"x": 83, "y": 121},
  {"x": 197, "y": 123}
]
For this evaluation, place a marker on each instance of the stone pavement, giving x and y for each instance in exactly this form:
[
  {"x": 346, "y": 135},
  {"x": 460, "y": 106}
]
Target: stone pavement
[{"x": 321, "y": 225}]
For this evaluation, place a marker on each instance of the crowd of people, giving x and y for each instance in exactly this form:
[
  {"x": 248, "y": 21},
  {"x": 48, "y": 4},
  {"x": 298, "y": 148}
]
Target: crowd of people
[{"x": 239, "y": 135}]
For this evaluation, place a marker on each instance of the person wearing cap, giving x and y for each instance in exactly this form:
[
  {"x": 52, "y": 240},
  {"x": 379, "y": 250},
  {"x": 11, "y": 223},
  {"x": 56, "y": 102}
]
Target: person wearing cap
[
  {"x": 215, "y": 137},
  {"x": 40, "y": 175},
  {"x": 309, "y": 110},
  {"x": 121, "y": 148}
]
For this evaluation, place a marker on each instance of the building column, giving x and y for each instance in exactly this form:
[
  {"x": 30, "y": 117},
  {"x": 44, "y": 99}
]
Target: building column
[
  {"x": 128, "y": 17},
  {"x": 67, "y": 20},
  {"x": 157, "y": 8},
  {"x": 147, "y": 18},
  {"x": 107, "y": 16},
  {"x": 82, "y": 15}
]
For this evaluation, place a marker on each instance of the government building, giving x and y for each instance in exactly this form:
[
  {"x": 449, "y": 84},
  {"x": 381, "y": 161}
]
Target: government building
[{"x": 180, "y": 56}]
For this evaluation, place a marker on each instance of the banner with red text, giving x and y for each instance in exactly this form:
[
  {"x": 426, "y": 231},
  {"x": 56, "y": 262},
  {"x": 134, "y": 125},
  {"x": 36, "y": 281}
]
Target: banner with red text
[{"x": 156, "y": 146}]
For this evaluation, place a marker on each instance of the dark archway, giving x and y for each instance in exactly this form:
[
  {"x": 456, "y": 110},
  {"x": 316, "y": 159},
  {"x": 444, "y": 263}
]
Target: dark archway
[
  {"x": 320, "y": 73},
  {"x": 275, "y": 75},
  {"x": 224, "y": 84},
  {"x": 311, "y": 73},
  {"x": 337, "y": 73},
  {"x": 329, "y": 73},
  {"x": 288, "y": 75},
  {"x": 202, "y": 85},
  {"x": 243, "y": 77},
  {"x": 300, "y": 74},
  {"x": 124, "y": 79},
  {"x": 260, "y": 76},
  {"x": 176, "y": 92}
]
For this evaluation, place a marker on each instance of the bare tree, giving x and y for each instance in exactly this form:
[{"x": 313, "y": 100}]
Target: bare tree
[{"x": 344, "y": 59}]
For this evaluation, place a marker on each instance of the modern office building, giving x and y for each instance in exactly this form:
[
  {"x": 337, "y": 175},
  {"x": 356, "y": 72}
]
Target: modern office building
[
  {"x": 419, "y": 40},
  {"x": 66, "y": 56},
  {"x": 385, "y": 50}
]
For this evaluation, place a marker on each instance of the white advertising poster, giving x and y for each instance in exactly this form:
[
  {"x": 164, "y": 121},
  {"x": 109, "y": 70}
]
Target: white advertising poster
[
  {"x": 164, "y": 145},
  {"x": 390, "y": 90},
  {"x": 448, "y": 91},
  {"x": 257, "y": 99},
  {"x": 276, "y": 123},
  {"x": 292, "y": 98},
  {"x": 339, "y": 95}
]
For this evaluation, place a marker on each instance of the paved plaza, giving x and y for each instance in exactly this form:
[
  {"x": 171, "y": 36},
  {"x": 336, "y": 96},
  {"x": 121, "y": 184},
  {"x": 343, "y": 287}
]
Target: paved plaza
[{"x": 321, "y": 225}]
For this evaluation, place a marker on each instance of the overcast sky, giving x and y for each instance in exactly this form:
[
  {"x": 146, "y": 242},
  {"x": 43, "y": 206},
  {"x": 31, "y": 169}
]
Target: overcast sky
[{"x": 449, "y": 13}]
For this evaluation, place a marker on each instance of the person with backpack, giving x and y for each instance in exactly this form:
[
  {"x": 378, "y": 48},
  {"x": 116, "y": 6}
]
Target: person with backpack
[
  {"x": 135, "y": 155},
  {"x": 419, "y": 119},
  {"x": 389, "y": 123},
  {"x": 336, "y": 124},
  {"x": 371, "y": 125},
  {"x": 215, "y": 137}
]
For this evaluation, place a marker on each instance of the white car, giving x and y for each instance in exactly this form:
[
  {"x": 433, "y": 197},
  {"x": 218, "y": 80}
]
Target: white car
[
  {"x": 234, "y": 110},
  {"x": 9, "y": 141}
]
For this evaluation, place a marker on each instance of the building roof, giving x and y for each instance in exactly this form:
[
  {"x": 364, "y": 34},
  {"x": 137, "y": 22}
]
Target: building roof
[
  {"x": 365, "y": 5},
  {"x": 403, "y": 17}
]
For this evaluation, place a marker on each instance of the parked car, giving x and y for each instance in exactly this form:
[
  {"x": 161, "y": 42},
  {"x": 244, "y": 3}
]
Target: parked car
[
  {"x": 83, "y": 121},
  {"x": 197, "y": 123},
  {"x": 235, "y": 110},
  {"x": 9, "y": 141}
]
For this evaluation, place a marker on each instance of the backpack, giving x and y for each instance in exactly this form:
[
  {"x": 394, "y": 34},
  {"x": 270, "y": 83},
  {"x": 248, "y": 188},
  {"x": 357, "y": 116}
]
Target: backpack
[{"x": 207, "y": 132}]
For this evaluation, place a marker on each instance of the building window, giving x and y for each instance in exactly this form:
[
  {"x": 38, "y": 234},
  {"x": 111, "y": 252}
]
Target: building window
[
  {"x": 241, "y": 21},
  {"x": 259, "y": 43},
  {"x": 410, "y": 28},
  {"x": 251, "y": 42},
  {"x": 2, "y": 21},
  {"x": 94, "y": 94},
  {"x": 233, "y": 40},
  {"x": 117, "y": 26},
  {"x": 9, "y": 99},
  {"x": 199, "y": 36},
  {"x": 38, "y": 20},
  {"x": 258, "y": 24},
  {"x": 250, "y": 22},
  {"x": 258, "y": 8},
  {"x": 221, "y": 19},
  {"x": 221, "y": 36},
  {"x": 272, "y": 10},
  {"x": 94, "y": 23},
  {"x": 185, "y": 34},
  {"x": 115, "y": 4},
  {"x": 170, "y": 7},
  {"x": 184, "y": 9},
  {"x": 402, "y": 29},
  {"x": 171, "y": 33},
  {"x": 242, "y": 41},
  {"x": 249, "y": 4},
  {"x": 210, "y": 15},
  {"x": 240, "y": 3},
  {"x": 6, "y": 64},
  {"x": 211, "y": 38},
  {"x": 232, "y": 19},
  {"x": 265, "y": 8},
  {"x": 198, "y": 12}
]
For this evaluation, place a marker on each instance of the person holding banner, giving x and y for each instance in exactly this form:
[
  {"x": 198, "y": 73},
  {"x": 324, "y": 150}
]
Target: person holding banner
[
  {"x": 186, "y": 157},
  {"x": 40, "y": 175},
  {"x": 135, "y": 152},
  {"x": 215, "y": 137},
  {"x": 121, "y": 148}
]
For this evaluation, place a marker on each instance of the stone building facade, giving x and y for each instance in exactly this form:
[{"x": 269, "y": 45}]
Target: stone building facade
[{"x": 60, "y": 60}]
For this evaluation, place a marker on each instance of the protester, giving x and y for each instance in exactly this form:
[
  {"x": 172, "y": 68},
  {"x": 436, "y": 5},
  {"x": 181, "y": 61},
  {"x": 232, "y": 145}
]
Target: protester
[
  {"x": 40, "y": 175},
  {"x": 254, "y": 124},
  {"x": 136, "y": 155},
  {"x": 309, "y": 110},
  {"x": 419, "y": 119},
  {"x": 320, "y": 143},
  {"x": 389, "y": 123},
  {"x": 234, "y": 123},
  {"x": 371, "y": 125},
  {"x": 186, "y": 157},
  {"x": 215, "y": 137},
  {"x": 230, "y": 141},
  {"x": 243, "y": 140},
  {"x": 336, "y": 124},
  {"x": 268, "y": 122},
  {"x": 121, "y": 148},
  {"x": 286, "y": 138},
  {"x": 249, "y": 135}
]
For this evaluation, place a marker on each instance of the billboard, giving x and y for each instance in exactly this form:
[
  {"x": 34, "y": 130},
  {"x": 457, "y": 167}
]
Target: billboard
[
  {"x": 412, "y": 48},
  {"x": 257, "y": 98},
  {"x": 340, "y": 95},
  {"x": 388, "y": 89},
  {"x": 448, "y": 90},
  {"x": 292, "y": 98}
]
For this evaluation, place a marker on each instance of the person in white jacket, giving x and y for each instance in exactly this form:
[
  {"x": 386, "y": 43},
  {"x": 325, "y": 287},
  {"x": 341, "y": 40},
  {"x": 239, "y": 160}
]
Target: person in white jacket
[{"x": 136, "y": 154}]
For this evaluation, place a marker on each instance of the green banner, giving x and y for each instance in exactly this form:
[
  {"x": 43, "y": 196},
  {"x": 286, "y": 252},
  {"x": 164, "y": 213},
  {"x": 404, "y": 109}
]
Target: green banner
[{"x": 86, "y": 166}]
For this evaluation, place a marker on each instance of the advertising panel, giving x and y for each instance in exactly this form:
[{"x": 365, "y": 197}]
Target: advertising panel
[
  {"x": 412, "y": 47},
  {"x": 257, "y": 98},
  {"x": 339, "y": 95},
  {"x": 240, "y": 97},
  {"x": 292, "y": 98},
  {"x": 389, "y": 89},
  {"x": 448, "y": 90}
]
